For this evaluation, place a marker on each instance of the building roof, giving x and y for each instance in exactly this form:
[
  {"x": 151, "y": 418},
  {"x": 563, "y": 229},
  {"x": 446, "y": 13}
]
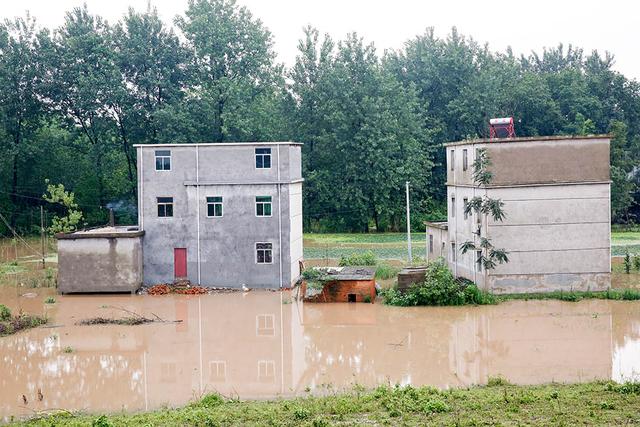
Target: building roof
[
  {"x": 527, "y": 139},
  {"x": 121, "y": 231},
  {"x": 348, "y": 273},
  {"x": 443, "y": 225},
  {"x": 222, "y": 144}
]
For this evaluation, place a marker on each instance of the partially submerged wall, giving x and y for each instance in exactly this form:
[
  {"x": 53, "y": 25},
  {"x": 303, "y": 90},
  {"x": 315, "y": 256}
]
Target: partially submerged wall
[{"x": 99, "y": 264}]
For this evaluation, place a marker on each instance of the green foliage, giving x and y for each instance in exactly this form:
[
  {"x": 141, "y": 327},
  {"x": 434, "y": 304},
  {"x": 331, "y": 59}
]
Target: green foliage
[
  {"x": 489, "y": 255},
  {"x": 386, "y": 271},
  {"x": 75, "y": 99},
  {"x": 596, "y": 403},
  {"x": 627, "y": 263},
  {"x": 497, "y": 382},
  {"x": 210, "y": 401},
  {"x": 5, "y": 313},
  {"x": 440, "y": 288},
  {"x": 366, "y": 258},
  {"x": 636, "y": 262},
  {"x": 101, "y": 421},
  {"x": 50, "y": 300},
  {"x": 69, "y": 222}
]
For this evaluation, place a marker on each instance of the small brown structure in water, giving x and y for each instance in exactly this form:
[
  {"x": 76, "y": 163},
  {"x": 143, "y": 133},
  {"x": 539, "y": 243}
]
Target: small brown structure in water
[
  {"x": 410, "y": 276},
  {"x": 343, "y": 284}
]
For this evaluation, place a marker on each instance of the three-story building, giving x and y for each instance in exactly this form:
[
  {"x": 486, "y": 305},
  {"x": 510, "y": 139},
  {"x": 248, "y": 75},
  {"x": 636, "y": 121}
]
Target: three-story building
[{"x": 221, "y": 214}]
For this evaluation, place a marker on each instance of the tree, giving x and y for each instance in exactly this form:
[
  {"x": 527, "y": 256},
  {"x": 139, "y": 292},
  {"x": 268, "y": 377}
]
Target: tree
[
  {"x": 20, "y": 77},
  {"x": 233, "y": 67},
  {"x": 81, "y": 78},
  {"x": 69, "y": 221},
  {"x": 490, "y": 256}
]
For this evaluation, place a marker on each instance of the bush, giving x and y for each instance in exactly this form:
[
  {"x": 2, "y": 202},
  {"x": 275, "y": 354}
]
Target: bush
[
  {"x": 5, "y": 313},
  {"x": 439, "y": 288},
  {"x": 366, "y": 258},
  {"x": 386, "y": 271}
]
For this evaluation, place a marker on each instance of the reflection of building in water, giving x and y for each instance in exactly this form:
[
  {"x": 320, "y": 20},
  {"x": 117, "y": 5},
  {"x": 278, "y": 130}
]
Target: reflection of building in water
[{"x": 261, "y": 345}]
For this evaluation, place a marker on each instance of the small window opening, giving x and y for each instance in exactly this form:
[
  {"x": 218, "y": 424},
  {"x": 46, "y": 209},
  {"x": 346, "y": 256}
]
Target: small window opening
[{"x": 351, "y": 298}]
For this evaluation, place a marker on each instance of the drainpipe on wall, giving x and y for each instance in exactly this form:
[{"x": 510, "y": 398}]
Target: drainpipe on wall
[
  {"x": 279, "y": 218},
  {"x": 198, "y": 207},
  {"x": 141, "y": 192}
]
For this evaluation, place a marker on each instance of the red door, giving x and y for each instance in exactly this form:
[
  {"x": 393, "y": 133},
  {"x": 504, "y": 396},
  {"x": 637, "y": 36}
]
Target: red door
[{"x": 180, "y": 262}]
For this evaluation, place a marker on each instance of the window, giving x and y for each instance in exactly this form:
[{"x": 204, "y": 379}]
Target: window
[
  {"x": 266, "y": 370},
  {"x": 265, "y": 325},
  {"x": 214, "y": 206},
  {"x": 165, "y": 207},
  {"x": 163, "y": 160},
  {"x": 263, "y": 205},
  {"x": 264, "y": 253},
  {"x": 430, "y": 243},
  {"x": 465, "y": 162},
  {"x": 218, "y": 369},
  {"x": 479, "y": 260},
  {"x": 453, "y": 252},
  {"x": 453, "y": 206},
  {"x": 263, "y": 158},
  {"x": 452, "y": 159},
  {"x": 465, "y": 201}
]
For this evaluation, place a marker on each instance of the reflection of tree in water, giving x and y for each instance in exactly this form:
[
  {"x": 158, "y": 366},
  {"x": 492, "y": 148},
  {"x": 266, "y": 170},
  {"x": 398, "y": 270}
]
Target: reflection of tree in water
[{"x": 83, "y": 379}]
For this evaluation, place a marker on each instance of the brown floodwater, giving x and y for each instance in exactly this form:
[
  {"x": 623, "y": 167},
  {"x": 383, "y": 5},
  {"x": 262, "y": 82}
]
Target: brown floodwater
[{"x": 262, "y": 345}]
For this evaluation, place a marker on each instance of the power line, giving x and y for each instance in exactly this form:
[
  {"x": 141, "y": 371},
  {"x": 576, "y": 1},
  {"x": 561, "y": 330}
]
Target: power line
[{"x": 16, "y": 235}]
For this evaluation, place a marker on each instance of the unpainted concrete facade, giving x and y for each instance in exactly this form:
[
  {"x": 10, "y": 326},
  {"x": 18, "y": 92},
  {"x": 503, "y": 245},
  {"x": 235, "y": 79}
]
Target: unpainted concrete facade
[
  {"x": 556, "y": 194},
  {"x": 221, "y": 250},
  {"x": 107, "y": 259}
]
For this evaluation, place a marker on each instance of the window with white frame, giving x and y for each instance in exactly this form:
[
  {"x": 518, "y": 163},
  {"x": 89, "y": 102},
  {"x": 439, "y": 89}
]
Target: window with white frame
[
  {"x": 163, "y": 160},
  {"x": 263, "y": 205},
  {"x": 479, "y": 260},
  {"x": 430, "y": 243},
  {"x": 452, "y": 159},
  {"x": 465, "y": 160},
  {"x": 453, "y": 206},
  {"x": 263, "y": 158},
  {"x": 165, "y": 207},
  {"x": 214, "y": 206},
  {"x": 453, "y": 252},
  {"x": 264, "y": 253}
]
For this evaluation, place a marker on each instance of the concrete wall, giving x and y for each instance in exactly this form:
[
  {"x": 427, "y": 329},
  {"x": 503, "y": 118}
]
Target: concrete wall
[
  {"x": 440, "y": 238},
  {"x": 556, "y": 195},
  {"x": 99, "y": 264},
  {"x": 225, "y": 251}
]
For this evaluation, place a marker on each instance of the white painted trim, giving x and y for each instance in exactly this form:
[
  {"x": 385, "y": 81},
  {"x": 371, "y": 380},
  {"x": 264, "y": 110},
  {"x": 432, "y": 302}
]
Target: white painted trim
[
  {"x": 141, "y": 192},
  {"x": 155, "y": 166},
  {"x": 255, "y": 155},
  {"x": 173, "y": 211}
]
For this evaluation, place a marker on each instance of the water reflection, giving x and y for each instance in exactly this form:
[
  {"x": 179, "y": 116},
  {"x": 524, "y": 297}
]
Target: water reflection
[{"x": 263, "y": 344}]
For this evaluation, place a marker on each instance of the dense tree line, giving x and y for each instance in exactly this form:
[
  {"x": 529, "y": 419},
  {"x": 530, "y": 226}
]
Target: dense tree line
[{"x": 75, "y": 99}]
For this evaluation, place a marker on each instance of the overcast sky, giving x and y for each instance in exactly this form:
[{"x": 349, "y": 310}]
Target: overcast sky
[{"x": 612, "y": 26}]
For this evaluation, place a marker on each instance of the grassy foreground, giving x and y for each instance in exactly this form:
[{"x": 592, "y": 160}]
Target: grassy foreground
[{"x": 598, "y": 403}]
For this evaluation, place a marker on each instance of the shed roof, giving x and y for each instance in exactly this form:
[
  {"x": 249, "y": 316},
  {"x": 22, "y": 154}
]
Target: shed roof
[
  {"x": 348, "y": 273},
  {"x": 122, "y": 231}
]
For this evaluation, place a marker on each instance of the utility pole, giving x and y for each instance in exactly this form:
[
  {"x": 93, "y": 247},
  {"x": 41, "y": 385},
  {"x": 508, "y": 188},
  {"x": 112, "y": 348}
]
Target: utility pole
[
  {"x": 408, "y": 224},
  {"x": 42, "y": 234}
]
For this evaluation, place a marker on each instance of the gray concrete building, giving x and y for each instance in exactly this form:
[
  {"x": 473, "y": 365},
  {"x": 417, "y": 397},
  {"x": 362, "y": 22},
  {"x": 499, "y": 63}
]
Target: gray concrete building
[
  {"x": 222, "y": 214},
  {"x": 104, "y": 259},
  {"x": 556, "y": 194}
]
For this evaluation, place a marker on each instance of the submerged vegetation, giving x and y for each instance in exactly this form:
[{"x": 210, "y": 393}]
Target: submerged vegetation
[
  {"x": 498, "y": 403},
  {"x": 10, "y": 324}
]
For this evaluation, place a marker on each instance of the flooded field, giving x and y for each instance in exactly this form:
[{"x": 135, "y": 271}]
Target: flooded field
[{"x": 264, "y": 344}]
